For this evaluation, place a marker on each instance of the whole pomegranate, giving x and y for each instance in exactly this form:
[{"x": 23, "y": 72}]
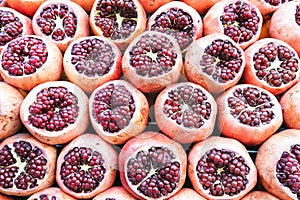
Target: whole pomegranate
[
  {"x": 10, "y": 103},
  {"x": 238, "y": 19},
  {"x": 86, "y": 5},
  {"x": 187, "y": 193},
  {"x": 61, "y": 21},
  {"x": 257, "y": 195},
  {"x": 30, "y": 60},
  {"x": 86, "y": 166},
  {"x": 116, "y": 192},
  {"x": 215, "y": 62},
  {"x": 92, "y": 61},
  {"x": 119, "y": 20},
  {"x": 118, "y": 111},
  {"x": 26, "y": 165},
  {"x": 185, "y": 112},
  {"x": 221, "y": 168},
  {"x": 271, "y": 64},
  {"x": 278, "y": 164},
  {"x": 151, "y": 6},
  {"x": 152, "y": 166},
  {"x": 55, "y": 112},
  {"x": 26, "y": 7},
  {"x": 51, "y": 193},
  {"x": 201, "y": 7},
  {"x": 152, "y": 61}
]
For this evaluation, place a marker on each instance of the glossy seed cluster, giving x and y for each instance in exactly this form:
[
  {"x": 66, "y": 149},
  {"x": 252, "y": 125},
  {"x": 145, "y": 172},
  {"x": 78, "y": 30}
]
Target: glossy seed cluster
[{"x": 11, "y": 26}]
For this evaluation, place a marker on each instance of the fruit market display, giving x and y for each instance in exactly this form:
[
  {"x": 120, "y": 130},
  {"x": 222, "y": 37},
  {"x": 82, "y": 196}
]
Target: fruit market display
[{"x": 149, "y": 99}]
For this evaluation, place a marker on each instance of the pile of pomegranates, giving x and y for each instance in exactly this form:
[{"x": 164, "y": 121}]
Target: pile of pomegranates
[{"x": 149, "y": 99}]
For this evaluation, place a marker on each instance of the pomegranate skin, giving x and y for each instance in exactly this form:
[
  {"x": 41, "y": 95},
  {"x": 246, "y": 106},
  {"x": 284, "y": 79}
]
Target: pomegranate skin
[
  {"x": 200, "y": 148},
  {"x": 49, "y": 152},
  {"x": 147, "y": 139},
  {"x": 187, "y": 193},
  {"x": 257, "y": 195},
  {"x": 283, "y": 25},
  {"x": 51, "y": 192},
  {"x": 151, "y": 6},
  {"x": 201, "y": 7},
  {"x": 290, "y": 102},
  {"x": 115, "y": 192},
  {"x": 10, "y": 103},
  {"x": 26, "y": 7},
  {"x": 86, "y": 5},
  {"x": 3, "y": 3},
  {"x": 66, "y": 134},
  {"x": 109, "y": 156},
  {"x": 269, "y": 153}
]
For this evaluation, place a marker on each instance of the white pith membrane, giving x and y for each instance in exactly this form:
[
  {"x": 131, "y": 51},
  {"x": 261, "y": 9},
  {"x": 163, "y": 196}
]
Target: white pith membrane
[{"x": 153, "y": 172}]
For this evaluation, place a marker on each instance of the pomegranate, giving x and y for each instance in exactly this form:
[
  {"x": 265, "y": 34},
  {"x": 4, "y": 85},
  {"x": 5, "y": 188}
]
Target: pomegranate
[
  {"x": 30, "y": 60},
  {"x": 278, "y": 162},
  {"x": 238, "y": 19},
  {"x": 10, "y": 103},
  {"x": 152, "y": 61},
  {"x": 51, "y": 193},
  {"x": 285, "y": 24},
  {"x": 215, "y": 62},
  {"x": 114, "y": 193},
  {"x": 201, "y": 7},
  {"x": 61, "y": 21},
  {"x": 13, "y": 25},
  {"x": 119, "y": 20},
  {"x": 221, "y": 168},
  {"x": 185, "y": 112},
  {"x": 258, "y": 195},
  {"x": 55, "y": 112},
  {"x": 3, "y": 3},
  {"x": 152, "y": 166},
  {"x": 178, "y": 20},
  {"x": 5, "y": 197},
  {"x": 91, "y": 61},
  {"x": 249, "y": 114},
  {"x": 118, "y": 111},
  {"x": 187, "y": 193},
  {"x": 26, "y": 7},
  {"x": 26, "y": 165},
  {"x": 86, "y": 166},
  {"x": 271, "y": 64},
  {"x": 86, "y": 5},
  {"x": 151, "y": 6}
]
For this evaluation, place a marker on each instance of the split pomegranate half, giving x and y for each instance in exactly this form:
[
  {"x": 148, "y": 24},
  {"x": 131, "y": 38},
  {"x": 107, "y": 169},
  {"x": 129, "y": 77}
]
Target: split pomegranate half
[
  {"x": 152, "y": 166},
  {"x": 249, "y": 114},
  {"x": 114, "y": 193},
  {"x": 51, "y": 193},
  {"x": 86, "y": 166},
  {"x": 238, "y": 19},
  {"x": 152, "y": 61},
  {"x": 178, "y": 20},
  {"x": 61, "y": 21},
  {"x": 278, "y": 164},
  {"x": 26, "y": 165},
  {"x": 271, "y": 64},
  {"x": 30, "y": 60},
  {"x": 215, "y": 62},
  {"x": 55, "y": 112},
  {"x": 185, "y": 112},
  {"x": 221, "y": 168},
  {"x": 119, "y": 20}
]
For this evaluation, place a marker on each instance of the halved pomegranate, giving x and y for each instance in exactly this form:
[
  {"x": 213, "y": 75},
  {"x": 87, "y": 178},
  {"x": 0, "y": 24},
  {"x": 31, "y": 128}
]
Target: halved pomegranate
[
  {"x": 55, "y": 112},
  {"x": 278, "y": 164},
  {"x": 178, "y": 20},
  {"x": 86, "y": 166},
  {"x": 30, "y": 60},
  {"x": 215, "y": 62},
  {"x": 51, "y": 193},
  {"x": 118, "y": 111},
  {"x": 152, "y": 61},
  {"x": 201, "y": 7},
  {"x": 114, "y": 193},
  {"x": 185, "y": 112},
  {"x": 61, "y": 21},
  {"x": 13, "y": 25},
  {"x": 285, "y": 24},
  {"x": 271, "y": 64},
  {"x": 238, "y": 19},
  {"x": 152, "y": 166},
  {"x": 91, "y": 61},
  {"x": 10, "y": 103},
  {"x": 187, "y": 193},
  {"x": 26, "y": 7},
  {"x": 221, "y": 168},
  {"x": 249, "y": 114},
  {"x": 119, "y": 20},
  {"x": 151, "y": 6},
  {"x": 258, "y": 195},
  {"x": 26, "y": 165}
]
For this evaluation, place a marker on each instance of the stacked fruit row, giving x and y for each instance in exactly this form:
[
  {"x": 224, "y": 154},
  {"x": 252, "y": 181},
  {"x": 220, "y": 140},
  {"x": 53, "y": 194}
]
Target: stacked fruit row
[{"x": 162, "y": 94}]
